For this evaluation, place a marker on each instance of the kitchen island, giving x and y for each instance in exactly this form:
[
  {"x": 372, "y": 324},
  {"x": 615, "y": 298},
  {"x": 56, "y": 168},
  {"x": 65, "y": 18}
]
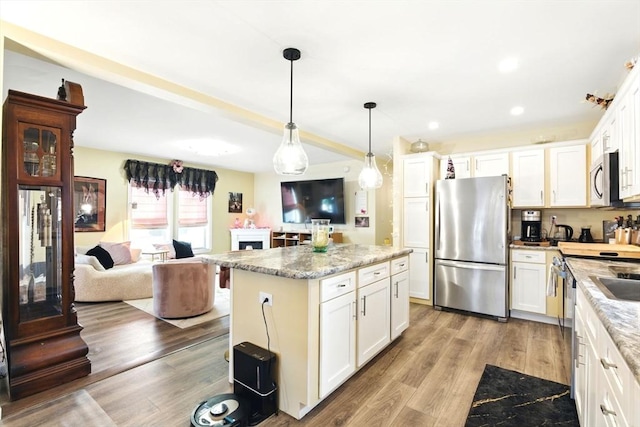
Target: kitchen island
[{"x": 328, "y": 314}]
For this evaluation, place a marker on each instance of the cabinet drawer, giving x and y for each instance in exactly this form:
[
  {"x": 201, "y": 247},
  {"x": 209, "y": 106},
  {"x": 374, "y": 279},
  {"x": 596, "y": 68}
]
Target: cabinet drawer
[
  {"x": 338, "y": 285},
  {"x": 399, "y": 265},
  {"x": 373, "y": 273},
  {"x": 616, "y": 372},
  {"x": 537, "y": 257}
]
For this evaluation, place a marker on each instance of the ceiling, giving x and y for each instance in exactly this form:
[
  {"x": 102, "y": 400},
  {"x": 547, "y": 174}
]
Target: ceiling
[{"x": 421, "y": 61}]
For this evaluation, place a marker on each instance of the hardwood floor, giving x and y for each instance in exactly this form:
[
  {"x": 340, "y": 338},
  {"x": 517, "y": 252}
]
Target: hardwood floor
[{"x": 427, "y": 377}]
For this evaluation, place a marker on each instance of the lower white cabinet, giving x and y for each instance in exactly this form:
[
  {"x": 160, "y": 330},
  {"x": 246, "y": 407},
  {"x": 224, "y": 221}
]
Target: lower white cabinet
[
  {"x": 528, "y": 281},
  {"x": 419, "y": 283},
  {"x": 399, "y": 303},
  {"x": 373, "y": 320},
  {"x": 337, "y": 341}
]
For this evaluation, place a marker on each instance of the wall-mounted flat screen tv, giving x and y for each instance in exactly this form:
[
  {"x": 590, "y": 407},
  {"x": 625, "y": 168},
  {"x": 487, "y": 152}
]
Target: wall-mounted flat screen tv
[{"x": 303, "y": 201}]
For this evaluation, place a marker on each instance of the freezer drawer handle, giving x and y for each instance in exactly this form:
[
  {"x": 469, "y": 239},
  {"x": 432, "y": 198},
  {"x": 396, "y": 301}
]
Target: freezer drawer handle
[{"x": 470, "y": 266}]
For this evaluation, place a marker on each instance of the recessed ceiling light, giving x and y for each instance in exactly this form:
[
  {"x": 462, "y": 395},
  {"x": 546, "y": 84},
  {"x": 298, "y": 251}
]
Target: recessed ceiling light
[
  {"x": 516, "y": 111},
  {"x": 508, "y": 65},
  {"x": 434, "y": 125}
]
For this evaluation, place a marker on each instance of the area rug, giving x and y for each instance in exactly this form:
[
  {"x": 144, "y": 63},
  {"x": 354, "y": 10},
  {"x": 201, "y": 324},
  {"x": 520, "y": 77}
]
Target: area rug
[
  {"x": 508, "y": 398},
  {"x": 220, "y": 308}
]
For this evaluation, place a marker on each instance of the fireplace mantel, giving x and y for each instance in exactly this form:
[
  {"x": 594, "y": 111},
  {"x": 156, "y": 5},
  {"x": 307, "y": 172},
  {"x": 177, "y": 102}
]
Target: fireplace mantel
[{"x": 250, "y": 238}]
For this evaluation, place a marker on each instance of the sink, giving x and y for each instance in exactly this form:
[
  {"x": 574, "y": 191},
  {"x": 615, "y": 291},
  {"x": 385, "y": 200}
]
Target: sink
[
  {"x": 616, "y": 288},
  {"x": 632, "y": 272}
]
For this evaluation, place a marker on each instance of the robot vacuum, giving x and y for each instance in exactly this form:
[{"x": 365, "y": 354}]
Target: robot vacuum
[{"x": 221, "y": 410}]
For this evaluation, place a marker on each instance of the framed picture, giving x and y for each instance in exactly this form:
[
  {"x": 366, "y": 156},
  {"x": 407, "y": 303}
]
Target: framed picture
[
  {"x": 362, "y": 221},
  {"x": 235, "y": 202},
  {"x": 89, "y": 203}
]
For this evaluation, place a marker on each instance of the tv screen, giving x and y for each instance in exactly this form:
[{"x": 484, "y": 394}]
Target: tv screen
[{"x": 303, "y": 201}]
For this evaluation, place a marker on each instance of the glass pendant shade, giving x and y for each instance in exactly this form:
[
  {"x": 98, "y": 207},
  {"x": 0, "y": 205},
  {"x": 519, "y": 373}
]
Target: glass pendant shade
[
  {"x": 370, "y": 177},
  {"x": 290, "y": 158}
]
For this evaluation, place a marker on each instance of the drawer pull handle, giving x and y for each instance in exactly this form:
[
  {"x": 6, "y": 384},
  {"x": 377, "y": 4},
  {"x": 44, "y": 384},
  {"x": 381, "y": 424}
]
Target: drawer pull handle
[
  {"x": 377, "y": 273},
  {"x": 607, "y": 365},
  {"x": 402, "y": 265},
  {"x": 606, "y": 411},
  {"x": 342, "y": 285}
]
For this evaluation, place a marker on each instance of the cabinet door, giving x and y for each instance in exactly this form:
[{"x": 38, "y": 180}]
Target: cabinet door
[
  {"x": 568, "y": 176},
  {"x": 399, "y": 303},
  {"x": 528, "y": 178},
  {"x": 495, "y": 164},
  {"x": 374, "y": 319},
  {"x": 419, "y": 284},
  {"x": 416, "y": 222},
  {"x": 628, "y": 117},
  {"x": 417, "y": 174},
  {"x": 597, "y": 148},
  {"x": 337, "y": 341},
  {"x": 461, "y": 165},
  {"x": 580, "y": 393},
  {"x": 528, "y": 287}
]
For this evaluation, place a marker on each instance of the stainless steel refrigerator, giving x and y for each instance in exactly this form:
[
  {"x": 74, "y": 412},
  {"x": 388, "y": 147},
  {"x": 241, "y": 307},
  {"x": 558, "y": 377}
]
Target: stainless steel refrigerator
[{"x": 472, "y": 227}]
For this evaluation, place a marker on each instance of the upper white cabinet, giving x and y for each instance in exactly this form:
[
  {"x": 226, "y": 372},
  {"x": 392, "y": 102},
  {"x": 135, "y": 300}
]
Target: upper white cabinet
[
  {"x": 417, "y": 176},
  {"x": 568, "y": 176},
  {"x": 628, "y": 116},
  {"x": 528, "y": 178},
  {"x": 487, "y": 164},
  {"x": 494, "y": 164}
]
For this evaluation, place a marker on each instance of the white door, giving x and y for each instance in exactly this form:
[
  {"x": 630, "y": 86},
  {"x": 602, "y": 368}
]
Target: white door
[
  {"x": 419, "y": 284},
  {"x": 337, "y": 341},
  {"x": 417, "y": 173},
  {"x": 374, "y": 319},
  {"x": 494, "y": 164},
  {"x": 416, "y": 222},
  {"x": 568, "y": 176},
  {"x": 528, "y": 178},
  {"x": 399, "y": 303},
  {"x": 629, "y": 116},
  {"x": 528, "y": 291}
]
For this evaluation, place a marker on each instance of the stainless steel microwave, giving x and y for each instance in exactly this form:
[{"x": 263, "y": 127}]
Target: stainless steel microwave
[{"x": 603, "y": 183}]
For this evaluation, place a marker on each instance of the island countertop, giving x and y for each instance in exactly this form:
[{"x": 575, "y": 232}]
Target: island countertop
[{"x": 300, "y": 262}]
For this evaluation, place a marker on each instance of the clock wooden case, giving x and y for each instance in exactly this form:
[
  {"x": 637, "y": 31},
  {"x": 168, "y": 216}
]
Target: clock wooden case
[{"x": 41, "y": 330}]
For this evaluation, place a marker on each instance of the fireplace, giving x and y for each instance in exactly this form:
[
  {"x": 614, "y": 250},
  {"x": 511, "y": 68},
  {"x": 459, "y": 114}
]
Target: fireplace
[{"x": 250, "y": 238}]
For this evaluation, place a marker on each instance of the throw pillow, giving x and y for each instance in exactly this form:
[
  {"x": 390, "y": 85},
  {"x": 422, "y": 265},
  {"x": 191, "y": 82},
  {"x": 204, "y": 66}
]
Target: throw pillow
[
  {"x": 183, "y": 249},
  {"x": 166, "y": 247},
  {"x": 120, "y": 252},
  {"x": 89, "y": 260},
  {"x": 102, "y": 255}
]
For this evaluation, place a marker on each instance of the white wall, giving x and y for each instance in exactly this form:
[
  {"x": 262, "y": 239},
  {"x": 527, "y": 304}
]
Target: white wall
[{"x": 269, "y": 205}]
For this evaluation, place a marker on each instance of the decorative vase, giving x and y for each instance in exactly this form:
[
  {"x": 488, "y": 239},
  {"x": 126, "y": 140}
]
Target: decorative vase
[{"x": 320, "y": 234}]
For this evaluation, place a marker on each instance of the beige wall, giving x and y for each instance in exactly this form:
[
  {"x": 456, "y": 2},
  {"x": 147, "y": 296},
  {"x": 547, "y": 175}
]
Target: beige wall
[
  {"x": 109, "y": 165},
  {"x": 269, "y": 206}
]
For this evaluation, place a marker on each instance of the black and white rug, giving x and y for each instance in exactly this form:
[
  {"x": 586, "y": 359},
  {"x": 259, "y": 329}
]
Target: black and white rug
[{"x": 508, "y": 398}]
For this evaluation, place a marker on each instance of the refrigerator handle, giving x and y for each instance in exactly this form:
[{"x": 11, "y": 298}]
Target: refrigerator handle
[
  {"x": 471, "y": 265},
  {"x": 437, "y": 223}
]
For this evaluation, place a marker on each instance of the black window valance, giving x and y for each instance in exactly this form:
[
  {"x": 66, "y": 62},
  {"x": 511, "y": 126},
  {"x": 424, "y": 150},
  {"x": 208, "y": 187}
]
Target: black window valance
[{"x": 159, "y": 178}]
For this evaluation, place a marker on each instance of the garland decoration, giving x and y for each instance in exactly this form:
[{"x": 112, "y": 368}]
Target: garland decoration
[{"x": 602, "y": 102}]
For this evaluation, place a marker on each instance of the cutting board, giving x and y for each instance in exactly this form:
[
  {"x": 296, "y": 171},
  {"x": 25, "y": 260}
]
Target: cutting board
[{"x": 600, "y": 250}]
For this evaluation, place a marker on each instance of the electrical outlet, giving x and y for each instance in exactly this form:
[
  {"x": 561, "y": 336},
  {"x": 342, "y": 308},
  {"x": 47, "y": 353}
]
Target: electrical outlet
[{"x": 264, "y": 295}]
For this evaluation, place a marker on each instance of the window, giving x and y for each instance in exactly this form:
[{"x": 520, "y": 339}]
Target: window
[{"x": 178, "y": 215}]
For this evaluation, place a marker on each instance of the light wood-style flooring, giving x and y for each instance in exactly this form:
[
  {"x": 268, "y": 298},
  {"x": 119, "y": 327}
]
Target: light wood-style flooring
[{"x": 425, "y": 378}]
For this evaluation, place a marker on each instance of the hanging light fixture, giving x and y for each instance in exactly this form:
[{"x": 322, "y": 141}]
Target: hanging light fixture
[
  {"x": 370, "y": 178},
  {"x": 290, "y": 158}
]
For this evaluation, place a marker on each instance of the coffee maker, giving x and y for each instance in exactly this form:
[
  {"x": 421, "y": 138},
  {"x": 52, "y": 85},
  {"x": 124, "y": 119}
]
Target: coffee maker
[{"x": 531, "y": 226}]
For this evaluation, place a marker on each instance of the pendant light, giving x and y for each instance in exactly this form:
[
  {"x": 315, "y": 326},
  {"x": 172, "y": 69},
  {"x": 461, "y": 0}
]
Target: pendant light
[
  {"x": 370, "y": 178},
  {"x": 290, "y": 158}
]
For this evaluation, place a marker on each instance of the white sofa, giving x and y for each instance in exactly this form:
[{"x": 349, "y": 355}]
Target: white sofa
[
  {"x": 122, "y": 282},
  {"x": 93, "y": 283}
]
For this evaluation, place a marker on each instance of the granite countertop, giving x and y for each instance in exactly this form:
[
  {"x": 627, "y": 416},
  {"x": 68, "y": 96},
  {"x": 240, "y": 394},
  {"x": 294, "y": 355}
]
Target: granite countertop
[
  {"x": 300, "y": 262},
  {"x": 620, "y": 318}
]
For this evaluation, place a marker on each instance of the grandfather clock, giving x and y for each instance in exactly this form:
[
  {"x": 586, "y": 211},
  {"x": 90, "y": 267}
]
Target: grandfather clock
[{"x": 44, "y": 347}]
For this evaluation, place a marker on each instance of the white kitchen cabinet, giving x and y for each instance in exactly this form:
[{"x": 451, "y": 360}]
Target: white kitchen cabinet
[
  {"x": 417, "y": 176},
  {"x": 528, "y": 178},
  {"x": 419, "y": 283},
  {"x": 492, "y": 164},
  {"x": 568, "y": 176},
  {"x": 580, "y": 391},
  {"x": 374, "y": 307},
  {"x": 416, "y": 222},
  {"x": 461, "y": 166},
  {"x": 399, "y": 296},
  {"x": 628, "y": 110},
  {"x": 337, "y": 341},
  {"x": 528, "y": 281}
]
